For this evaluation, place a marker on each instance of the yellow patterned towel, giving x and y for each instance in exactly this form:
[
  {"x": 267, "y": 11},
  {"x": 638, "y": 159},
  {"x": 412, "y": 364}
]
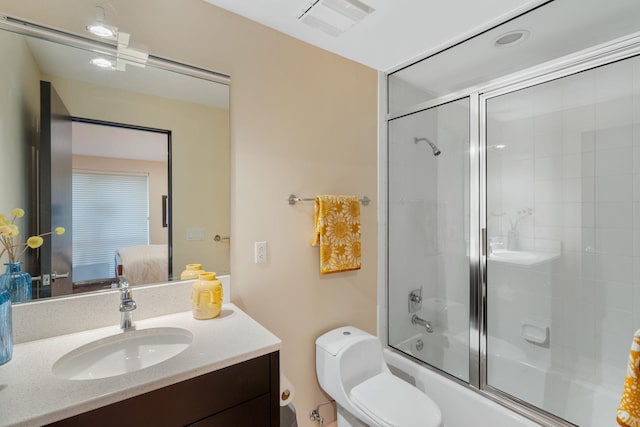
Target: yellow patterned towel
[
  {"x": 337, "y": 228},
  {"x": 629, "y": 409}
]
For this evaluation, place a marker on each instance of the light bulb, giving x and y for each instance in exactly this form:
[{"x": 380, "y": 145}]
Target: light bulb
[
  {"x": 102, "y": 63},
  {"x": 102, "y": 30}
]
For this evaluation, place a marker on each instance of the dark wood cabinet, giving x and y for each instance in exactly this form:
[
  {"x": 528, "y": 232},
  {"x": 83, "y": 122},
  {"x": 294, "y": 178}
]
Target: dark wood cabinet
[{"x": 241, "y": 395}]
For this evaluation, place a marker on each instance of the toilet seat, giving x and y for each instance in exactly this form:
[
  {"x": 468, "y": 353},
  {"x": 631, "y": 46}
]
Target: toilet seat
[{"x": 408, "y": 406}]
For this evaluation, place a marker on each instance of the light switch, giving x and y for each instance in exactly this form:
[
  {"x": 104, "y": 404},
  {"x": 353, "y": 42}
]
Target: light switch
[{"x": 260, "y": 252}]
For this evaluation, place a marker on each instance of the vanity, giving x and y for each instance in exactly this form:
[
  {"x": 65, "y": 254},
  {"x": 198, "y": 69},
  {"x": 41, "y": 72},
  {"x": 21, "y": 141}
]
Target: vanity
[
  {"x": 228, "y": 375},
  {"x": 218, "y": 372}
]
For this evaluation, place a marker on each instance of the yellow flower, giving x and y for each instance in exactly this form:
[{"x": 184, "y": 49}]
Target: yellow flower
[
  {"x": 35, "y": 242},
  {"x": 5, "y": 230},
  {"x": 8, "y": 231},
  {"x": 14, "y": 230}
]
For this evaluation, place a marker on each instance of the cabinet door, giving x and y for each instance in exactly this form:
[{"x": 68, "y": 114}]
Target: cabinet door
[{"x": 254, "y": 413}]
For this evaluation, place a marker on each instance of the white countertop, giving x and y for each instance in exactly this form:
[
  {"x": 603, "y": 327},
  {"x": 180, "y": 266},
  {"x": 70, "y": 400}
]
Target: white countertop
[{"x": 31, "y": 395}]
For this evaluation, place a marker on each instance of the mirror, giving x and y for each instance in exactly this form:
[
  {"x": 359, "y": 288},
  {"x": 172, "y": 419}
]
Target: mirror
[{"x": 183, "y": 185}]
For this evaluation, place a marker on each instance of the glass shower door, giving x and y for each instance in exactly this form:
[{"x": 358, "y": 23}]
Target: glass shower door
[
  {"x": 563, "y": 227},
  {"x": 428, "y": 263}
]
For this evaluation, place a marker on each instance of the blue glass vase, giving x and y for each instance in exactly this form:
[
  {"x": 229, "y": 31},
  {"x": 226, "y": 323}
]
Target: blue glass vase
[
  {"x": 16, "y": 282},
  {"x": 6, "y": 328}
]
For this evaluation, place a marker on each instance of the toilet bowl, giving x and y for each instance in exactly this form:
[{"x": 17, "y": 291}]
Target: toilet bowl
[{"x": 351, "y": 369}]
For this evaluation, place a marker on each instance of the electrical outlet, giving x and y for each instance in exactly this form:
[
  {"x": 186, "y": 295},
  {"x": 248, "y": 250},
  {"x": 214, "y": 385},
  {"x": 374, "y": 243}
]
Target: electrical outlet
[{"x": 260, "y": 252}]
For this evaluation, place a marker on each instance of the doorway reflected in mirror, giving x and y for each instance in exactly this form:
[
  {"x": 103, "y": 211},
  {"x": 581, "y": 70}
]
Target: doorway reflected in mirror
[{"x": 122, "y": 173}]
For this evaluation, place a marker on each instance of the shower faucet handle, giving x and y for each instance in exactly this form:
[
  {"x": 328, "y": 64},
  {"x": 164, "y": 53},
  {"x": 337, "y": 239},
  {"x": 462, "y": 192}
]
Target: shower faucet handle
[{"x": 415, "y": 300}]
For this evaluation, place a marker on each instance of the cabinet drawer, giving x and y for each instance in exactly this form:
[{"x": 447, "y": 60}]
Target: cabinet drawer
[{"x": 254, "y": 413}]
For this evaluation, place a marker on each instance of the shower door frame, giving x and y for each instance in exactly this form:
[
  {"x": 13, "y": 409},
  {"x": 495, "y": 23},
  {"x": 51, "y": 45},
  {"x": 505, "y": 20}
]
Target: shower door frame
[{"x": 606, "y": 53}]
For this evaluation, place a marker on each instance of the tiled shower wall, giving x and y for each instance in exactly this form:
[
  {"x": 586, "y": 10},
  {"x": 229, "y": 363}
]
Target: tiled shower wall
[{"x": 572, "y": 154}]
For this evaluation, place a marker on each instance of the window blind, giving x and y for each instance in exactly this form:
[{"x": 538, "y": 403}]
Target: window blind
[{"x": 110, "y": 211}]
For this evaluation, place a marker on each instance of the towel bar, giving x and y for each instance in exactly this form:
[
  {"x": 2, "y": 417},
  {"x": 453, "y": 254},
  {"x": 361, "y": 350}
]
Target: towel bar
[{"x": 293, "y": 199}]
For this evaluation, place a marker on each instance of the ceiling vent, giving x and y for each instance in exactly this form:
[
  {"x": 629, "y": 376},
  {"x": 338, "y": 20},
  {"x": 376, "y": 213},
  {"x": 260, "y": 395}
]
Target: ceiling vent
[{"x": 334, "y": 17}]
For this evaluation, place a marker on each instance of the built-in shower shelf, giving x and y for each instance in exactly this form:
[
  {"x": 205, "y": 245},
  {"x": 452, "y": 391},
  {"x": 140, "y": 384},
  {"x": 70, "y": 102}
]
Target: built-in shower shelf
[{"x": 522, "y": 258}]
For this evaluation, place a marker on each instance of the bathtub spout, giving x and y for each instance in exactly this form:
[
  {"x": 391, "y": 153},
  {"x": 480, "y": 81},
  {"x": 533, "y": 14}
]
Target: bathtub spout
[{"x": 417, "y": 320}]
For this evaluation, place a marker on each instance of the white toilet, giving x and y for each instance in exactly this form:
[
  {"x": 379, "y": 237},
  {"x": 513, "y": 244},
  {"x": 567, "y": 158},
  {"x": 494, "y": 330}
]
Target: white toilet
[{"x": 351, "y": 369}]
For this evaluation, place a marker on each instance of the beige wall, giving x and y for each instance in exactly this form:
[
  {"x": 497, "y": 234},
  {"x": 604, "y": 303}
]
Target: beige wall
[
  {"x": 19, "y": 115},
  {"x": 157, "y": 173},
  {"x": 199, "y": 134},
  {"x": 303, "y": 121}
]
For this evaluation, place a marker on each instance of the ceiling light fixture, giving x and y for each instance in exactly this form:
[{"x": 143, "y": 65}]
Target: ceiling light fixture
[
  {"x": 334, "y": 17},
  {"x": 137, "y": 56},
  {"x": 102, "y": 63},
  {"x": 103, "y": 30},
  {"x": 126, "y": 54},
  {"x": 511, "y": 38},
  {"x": 100, "y": 28}
]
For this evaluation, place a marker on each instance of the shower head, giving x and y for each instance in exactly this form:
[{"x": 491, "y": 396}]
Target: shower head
[{"x": 434, "y": 147}]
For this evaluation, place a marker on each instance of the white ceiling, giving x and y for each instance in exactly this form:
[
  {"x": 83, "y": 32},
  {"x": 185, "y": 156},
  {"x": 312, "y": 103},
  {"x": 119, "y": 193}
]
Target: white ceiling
[
  {"x": 396, "y": 32},
  {"x": 558, "y": 29}
]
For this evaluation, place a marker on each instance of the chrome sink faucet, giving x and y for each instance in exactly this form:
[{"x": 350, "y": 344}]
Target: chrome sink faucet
[{"x": 127, "y": 305}]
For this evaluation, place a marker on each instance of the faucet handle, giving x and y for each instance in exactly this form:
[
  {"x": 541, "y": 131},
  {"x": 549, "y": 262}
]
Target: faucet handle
[
  {"x": 128, "y": 305},
  {"x": 125, "y": 289},
  {"x": 122, "y": 282},
  {"x": 415, "y": 300}
]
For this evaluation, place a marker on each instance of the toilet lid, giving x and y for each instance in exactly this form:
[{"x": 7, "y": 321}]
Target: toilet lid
[{"x": 393, "y": 402}]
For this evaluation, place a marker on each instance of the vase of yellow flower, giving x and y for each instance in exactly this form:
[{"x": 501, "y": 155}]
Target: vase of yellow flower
[
  {"x": 15, "y": 281},
  {"x": 6, "y": 333}
]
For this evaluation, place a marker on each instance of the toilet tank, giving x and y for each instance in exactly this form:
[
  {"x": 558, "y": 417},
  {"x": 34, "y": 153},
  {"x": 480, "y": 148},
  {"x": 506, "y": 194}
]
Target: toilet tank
[{"x": 347, "y": 356}]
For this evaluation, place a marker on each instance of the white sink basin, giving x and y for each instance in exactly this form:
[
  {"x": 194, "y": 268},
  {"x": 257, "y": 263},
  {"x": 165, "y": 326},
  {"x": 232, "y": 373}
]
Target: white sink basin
[{"x": 122, "y": 353}]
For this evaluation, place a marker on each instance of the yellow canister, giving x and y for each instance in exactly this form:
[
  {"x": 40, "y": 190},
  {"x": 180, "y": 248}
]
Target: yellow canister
[
  {"x": 192, "y": 271},
  {"x": 206, "y": 296}
]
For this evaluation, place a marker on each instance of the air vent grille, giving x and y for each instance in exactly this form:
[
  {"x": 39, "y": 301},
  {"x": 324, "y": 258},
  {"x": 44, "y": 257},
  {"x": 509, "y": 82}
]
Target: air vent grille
[{"x": 335, "y": 16}]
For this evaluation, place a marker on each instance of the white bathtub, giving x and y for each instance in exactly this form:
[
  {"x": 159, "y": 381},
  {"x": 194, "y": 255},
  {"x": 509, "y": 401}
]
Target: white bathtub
[{"x": 577, "y": 401}]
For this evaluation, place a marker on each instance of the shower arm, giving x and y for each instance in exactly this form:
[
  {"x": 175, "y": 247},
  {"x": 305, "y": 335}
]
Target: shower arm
[{"x": 434, "y": 147}]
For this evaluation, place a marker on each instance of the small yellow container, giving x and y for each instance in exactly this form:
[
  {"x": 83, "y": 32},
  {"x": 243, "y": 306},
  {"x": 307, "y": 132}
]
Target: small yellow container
[
  {"x": 206, "y": 296},
  {"x": 192, "y": 271}
]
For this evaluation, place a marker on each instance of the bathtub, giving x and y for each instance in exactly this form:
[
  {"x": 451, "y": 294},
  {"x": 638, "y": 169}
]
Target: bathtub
[{"x": 578, "y": 401}]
